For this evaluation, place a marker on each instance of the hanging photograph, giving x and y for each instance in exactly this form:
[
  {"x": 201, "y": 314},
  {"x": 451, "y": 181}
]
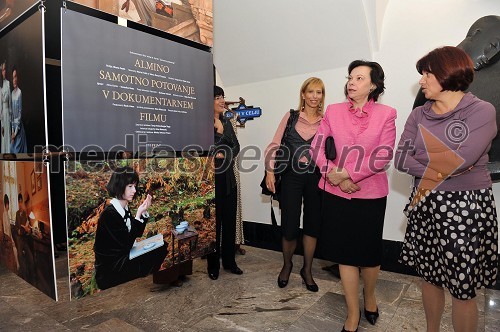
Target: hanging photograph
[
  {"x": 189, "y": 19},
  {"x": 26, "y": 231},
  {"x": 132, "y": 91},
  {"x": 119, "y": 231},
  {"x": 10, "y": 10},
  {"x": 22, "y": 119}
]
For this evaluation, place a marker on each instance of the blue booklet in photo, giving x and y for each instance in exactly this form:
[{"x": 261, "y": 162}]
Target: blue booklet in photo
[{"x": 146, "y": 245}]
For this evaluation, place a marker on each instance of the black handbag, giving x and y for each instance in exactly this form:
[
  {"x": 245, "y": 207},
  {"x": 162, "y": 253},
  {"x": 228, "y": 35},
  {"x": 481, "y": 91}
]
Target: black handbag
[
  {"x": 330, "y": 151},
  {"x": 281, "y": 165}
]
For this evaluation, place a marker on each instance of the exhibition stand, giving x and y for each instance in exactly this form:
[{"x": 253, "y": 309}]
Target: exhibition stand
[{"x": 101, "y": 92}]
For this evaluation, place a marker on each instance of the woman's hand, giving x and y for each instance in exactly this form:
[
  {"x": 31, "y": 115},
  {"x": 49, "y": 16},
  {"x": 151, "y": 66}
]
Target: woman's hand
[
  {"x": 143, "y": 208},
  {"x": 348, "y": 186},
  {"x": 337, "y": 175},
  {"x": 270, "y": 180}
]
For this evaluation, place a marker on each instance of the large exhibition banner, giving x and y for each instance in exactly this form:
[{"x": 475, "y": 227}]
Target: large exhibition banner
[
  {"x": 26, "y": 229},
  {"x": 127, "y": 90},
  {"x": 182, "y": 192},
  {"x": 12, "y": 9},
  {"x": 189, "y": 19},
  {"x": 22, "y": 88}
]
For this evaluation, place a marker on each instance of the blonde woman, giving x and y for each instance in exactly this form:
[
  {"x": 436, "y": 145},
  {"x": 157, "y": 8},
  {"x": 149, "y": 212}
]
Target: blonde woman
[{"x": 299, "y": 183}]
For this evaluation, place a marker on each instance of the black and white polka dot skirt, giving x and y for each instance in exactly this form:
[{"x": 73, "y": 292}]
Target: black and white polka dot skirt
[{"x": 451, "y": 239}]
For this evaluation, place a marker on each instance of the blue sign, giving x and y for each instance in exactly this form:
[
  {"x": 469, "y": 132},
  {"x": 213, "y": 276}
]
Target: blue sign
[{"x": 244, "y": 113}]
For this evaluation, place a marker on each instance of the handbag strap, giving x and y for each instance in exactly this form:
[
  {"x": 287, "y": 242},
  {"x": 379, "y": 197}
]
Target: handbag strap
[{"x": 291, "y": 120}]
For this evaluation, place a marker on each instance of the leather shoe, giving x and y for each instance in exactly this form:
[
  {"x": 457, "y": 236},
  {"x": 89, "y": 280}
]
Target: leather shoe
[
  {"x": 313, "y": 287},
  {"x": 235, "y": 270},
  {"x": 344, "y": 330},
  {"x": 214, "y": 275},
  {"x": 371, "y": 316},
  {"x": 356, "y": 330},
  {"x": 283, "y": 283}
]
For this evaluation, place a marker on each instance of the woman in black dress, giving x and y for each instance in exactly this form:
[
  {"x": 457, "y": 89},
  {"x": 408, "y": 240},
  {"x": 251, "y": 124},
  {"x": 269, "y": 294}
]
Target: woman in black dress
[
  {"x": 226, "y": 148},
  {"x": 117, "y": 231}
]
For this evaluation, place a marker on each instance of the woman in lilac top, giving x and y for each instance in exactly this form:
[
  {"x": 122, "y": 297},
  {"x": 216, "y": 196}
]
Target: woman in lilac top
[
  {"x": 451, "y": 236},
  {"x": 356, "y": 185}
]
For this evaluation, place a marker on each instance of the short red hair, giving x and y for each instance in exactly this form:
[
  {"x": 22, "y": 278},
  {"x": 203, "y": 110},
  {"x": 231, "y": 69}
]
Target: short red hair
[{"x": 452, "y": 67}]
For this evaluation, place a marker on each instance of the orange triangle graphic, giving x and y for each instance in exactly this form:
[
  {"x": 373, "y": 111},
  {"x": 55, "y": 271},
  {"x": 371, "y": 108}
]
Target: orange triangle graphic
[{"x": 442, "y": 160}]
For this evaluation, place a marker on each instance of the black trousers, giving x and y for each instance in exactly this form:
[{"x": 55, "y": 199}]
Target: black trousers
[{"x": 225, "y": 215}]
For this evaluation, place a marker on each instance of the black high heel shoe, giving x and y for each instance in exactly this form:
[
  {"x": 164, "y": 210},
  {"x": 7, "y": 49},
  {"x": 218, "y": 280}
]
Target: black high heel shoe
[
  {"x": 356, "y": 330},
  {"x": 371, "y": 316},
  {"x": 311, "y": 288},
  {"x": 283, "y": 283}
]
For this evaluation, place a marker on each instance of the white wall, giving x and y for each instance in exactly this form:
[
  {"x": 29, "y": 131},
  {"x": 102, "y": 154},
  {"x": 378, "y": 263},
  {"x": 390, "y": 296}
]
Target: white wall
[{"x": 411, "y": 28}]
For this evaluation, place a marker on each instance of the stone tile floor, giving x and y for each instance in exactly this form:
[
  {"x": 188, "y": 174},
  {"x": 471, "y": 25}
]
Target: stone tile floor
[{"x": 251, "y": 302}]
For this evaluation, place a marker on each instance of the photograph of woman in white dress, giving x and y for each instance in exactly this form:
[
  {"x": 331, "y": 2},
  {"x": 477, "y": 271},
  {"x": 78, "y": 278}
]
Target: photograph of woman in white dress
[
  {"x": 5, "y": 104},
  {"x": 18, "y": 135}
]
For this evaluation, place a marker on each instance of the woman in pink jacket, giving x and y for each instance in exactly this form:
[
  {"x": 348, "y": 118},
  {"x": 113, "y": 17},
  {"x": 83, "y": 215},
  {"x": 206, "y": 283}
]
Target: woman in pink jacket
[{"x": 355, "y": 184}]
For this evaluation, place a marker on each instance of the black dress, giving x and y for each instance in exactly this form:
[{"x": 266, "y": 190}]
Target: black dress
[
  {"x": 112, "y": 245},
  {"x": 225, "y": 198}
]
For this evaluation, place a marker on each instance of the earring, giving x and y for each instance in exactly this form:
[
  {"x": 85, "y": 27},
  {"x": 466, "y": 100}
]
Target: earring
[{"x": 319, "y": 106}]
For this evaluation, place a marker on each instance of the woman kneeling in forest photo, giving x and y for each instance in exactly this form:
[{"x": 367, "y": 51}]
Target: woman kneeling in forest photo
[{"x": 117, "y": 231}]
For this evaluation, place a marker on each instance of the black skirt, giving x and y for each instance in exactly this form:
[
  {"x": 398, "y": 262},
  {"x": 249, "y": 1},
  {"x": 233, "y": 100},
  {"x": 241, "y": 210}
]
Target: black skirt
[
  {"x": 300, "y": 191},
  {"x": 351, "y": 230}
]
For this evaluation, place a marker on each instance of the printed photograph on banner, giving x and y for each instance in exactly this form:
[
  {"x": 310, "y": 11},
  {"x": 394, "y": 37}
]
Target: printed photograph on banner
[
  {"x": 189, "y": 19},
  {"x": 120, "y": 231},
  {"x": 22, "y": 121},
  {"x": 139, "y": 92},
  {"x": 25, "y": 230},
  {"x": 10, "y": 10}
]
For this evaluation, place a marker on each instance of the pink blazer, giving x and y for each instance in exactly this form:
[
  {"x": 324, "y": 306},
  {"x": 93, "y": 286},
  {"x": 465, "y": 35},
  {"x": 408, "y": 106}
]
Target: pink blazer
[{"x": 364, "y": 143}]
